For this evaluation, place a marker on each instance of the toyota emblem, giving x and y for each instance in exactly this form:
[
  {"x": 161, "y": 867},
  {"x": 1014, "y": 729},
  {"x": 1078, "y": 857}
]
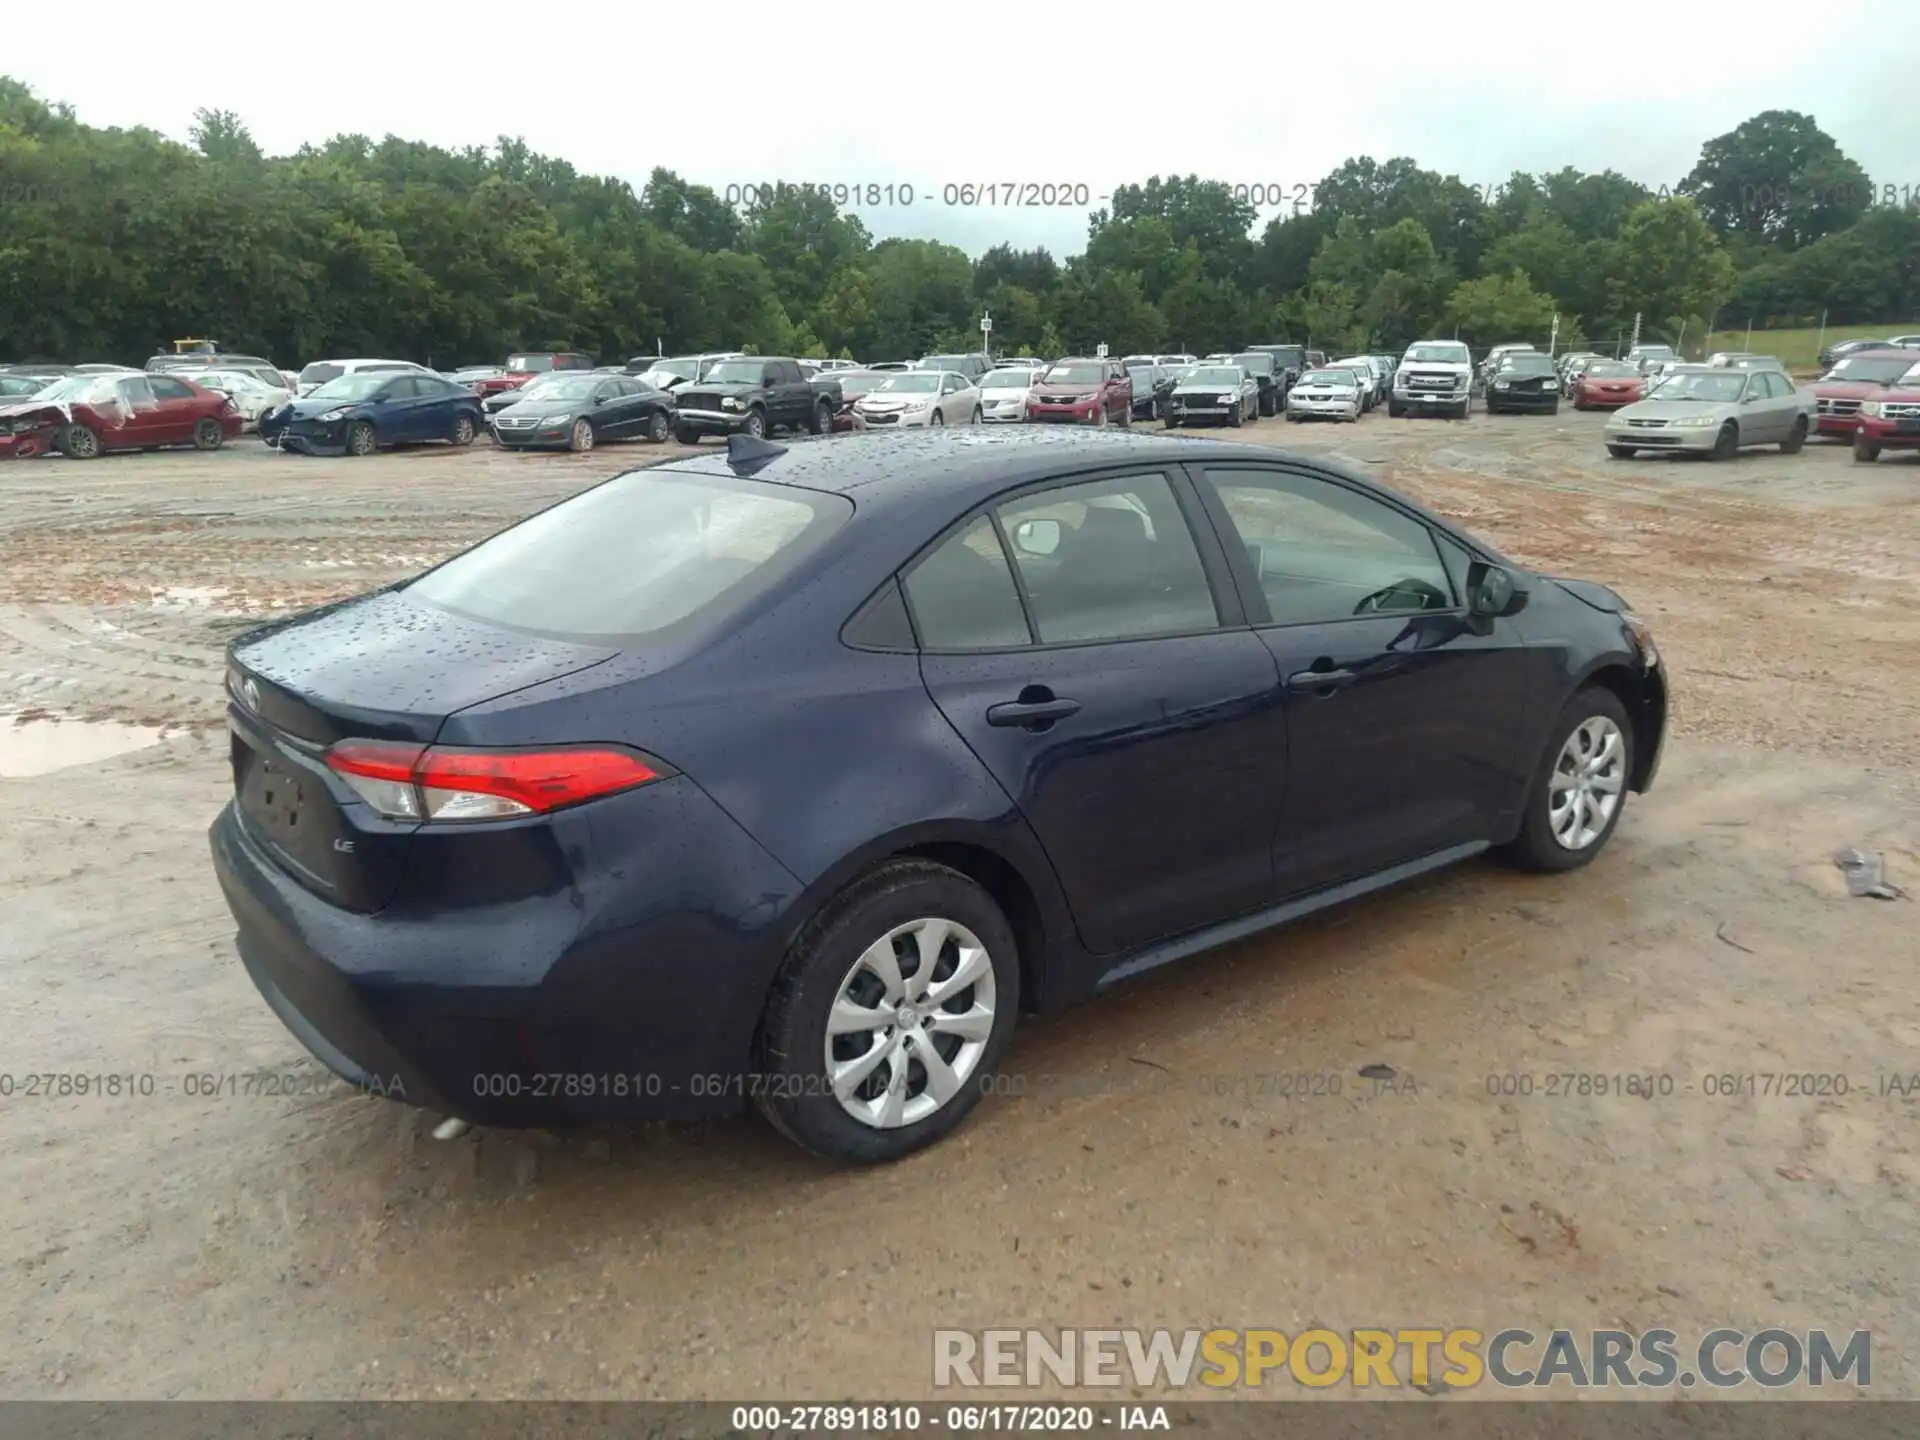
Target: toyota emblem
[{"x": 250, "y": 693}]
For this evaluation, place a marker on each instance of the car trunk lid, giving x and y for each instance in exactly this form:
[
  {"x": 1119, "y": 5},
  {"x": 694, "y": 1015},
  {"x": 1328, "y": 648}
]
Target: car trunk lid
[{"x": 382, "y": 667}]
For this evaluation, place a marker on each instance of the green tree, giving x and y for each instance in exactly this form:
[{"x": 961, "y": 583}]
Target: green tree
[
  {"x": 1779, "y": 178},
  {"x": 1498, "y": 308},
  {"x": 1667, "y": 263}
]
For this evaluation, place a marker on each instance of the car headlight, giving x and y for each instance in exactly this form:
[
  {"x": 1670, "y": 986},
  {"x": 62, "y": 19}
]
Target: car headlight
[
  {"x": 555, "y": 422},
  {"x": 1642, "y": 636},
  {"x": 1502, "y": 384},
  {"x": 333, "y": 415},
  {"x": 1870, "y": 408},
  {"x": 729, "y": 402}
]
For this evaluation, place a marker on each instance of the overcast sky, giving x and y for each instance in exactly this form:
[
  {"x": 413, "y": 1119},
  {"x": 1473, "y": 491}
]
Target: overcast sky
[{"x": 926, "y": 96}]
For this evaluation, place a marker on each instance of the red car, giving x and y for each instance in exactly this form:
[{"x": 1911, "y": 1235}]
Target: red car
[
  {"x": 1607, "y": 385},
  {"x": 1082, "y": 392},
  {"x": 83, "y": 415},
  {"x": 522, "y": 367},
  {"x": 1891, "y": 422},
  {"x": 1861, "y": 376}
]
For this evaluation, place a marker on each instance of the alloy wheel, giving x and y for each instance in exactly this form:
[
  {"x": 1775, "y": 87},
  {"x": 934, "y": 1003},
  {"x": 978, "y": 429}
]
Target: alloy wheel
[
  {"x": 1588, "y": 780},
  {"x": 910, "y": 1023}
]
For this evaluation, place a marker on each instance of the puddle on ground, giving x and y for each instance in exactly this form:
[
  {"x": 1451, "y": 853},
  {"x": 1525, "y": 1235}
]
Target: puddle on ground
[{"x": 42, "y": 746}]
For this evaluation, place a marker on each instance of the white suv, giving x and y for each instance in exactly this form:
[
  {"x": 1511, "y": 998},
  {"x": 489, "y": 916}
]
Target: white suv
[{"x": 1433, "y": 375}]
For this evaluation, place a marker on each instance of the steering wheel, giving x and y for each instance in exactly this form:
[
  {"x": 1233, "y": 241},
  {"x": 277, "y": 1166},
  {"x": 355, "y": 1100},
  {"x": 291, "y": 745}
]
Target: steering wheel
[{"x": 1429, "y": 597}]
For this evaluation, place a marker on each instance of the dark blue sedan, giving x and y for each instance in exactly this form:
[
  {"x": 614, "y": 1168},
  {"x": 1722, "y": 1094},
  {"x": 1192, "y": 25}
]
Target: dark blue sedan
[
  {"x": 361, "y": 412},
  {"x": 797, "y": 774}
]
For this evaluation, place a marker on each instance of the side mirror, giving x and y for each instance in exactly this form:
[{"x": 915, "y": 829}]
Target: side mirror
[
  {"x": 1037, "y": 537},
  {"x": 1492, "y": 591},
  {"x": 601, "y": 399}
]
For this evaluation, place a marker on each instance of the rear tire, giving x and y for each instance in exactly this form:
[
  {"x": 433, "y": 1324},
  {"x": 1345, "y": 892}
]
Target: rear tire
[
  {"x": 463, "y": 430},
  {"x": 1554, "y": 836},
  {"x": 821, "y": 419},
  {"x": 207, "y": 435},
  {"x": 1796, "y": 438},
  {"x": 828, "y": 971},
  {"x": 658, "y": 429}
]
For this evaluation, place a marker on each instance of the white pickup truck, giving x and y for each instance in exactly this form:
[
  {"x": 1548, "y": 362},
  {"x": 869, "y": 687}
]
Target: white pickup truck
[{"x": 1433, "y": 375}]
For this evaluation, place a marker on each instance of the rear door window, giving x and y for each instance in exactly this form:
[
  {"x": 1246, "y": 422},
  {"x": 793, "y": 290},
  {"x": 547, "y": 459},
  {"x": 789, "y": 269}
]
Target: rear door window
[
  {"x": 963, "y": 596},
  {"x": 637, "y": 556},
  {"x": 1108, "y": 560}
]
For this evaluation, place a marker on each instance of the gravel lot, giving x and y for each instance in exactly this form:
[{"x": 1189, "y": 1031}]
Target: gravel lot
[{"x": 319, "y": 1245}]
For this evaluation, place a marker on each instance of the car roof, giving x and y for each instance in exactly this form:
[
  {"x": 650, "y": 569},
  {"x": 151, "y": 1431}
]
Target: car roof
[{"x": 971, "y": 463}]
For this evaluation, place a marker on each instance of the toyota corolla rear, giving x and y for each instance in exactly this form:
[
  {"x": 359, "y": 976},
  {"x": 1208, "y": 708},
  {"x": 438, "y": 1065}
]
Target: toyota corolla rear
[{"x": 460, "y": 875}]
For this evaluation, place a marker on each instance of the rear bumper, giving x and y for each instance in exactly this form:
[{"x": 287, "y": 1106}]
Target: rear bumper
[{"x": 610, "y": 1001}]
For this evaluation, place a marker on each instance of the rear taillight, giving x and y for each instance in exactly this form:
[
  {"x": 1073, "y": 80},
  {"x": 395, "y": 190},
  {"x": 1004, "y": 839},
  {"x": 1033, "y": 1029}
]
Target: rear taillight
[{"x": 420, "y": 782}]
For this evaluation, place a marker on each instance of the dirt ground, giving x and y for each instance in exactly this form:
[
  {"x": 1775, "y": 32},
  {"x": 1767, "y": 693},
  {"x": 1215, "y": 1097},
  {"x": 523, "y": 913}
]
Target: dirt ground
[{"x": 321, "y": 1245}]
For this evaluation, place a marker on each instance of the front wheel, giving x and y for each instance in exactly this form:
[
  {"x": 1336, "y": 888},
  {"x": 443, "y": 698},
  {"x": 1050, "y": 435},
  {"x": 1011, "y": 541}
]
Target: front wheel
[
  {"x": 756, "y": 426},
  {"x": 207, "y": 435},
  {"x": 360, "y": 439},
  {"x": 888, "y": 1015},
  {"x": 687, "y": 435},
  {"x": 580, "y": 439},
  {"x": 1395, "y": 410},
  {"x": 1796, "y": 438},
  {"x": 78, "y": 442},
  {"x": 1172, "y": 422},
  {"x": 1864, "y": 450},
  {"x": 1580, "y": 787},
  {"x": 1727, "y": 443}
]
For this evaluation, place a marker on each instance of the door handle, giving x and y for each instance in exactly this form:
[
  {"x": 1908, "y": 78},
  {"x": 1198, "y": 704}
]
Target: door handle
[
  {"x": 1322, "y": 682},
  {"x": 1031, "y": 712}
]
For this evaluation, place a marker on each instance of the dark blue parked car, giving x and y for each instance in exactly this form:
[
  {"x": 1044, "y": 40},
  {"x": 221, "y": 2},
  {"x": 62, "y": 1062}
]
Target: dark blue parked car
[
  {"x": 360, "y": 412},
  {"x": 796, "y": 774}
]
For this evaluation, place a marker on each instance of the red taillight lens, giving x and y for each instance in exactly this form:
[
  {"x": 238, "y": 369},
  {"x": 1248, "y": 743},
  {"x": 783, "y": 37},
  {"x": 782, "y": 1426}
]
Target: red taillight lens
[{"x": 415, "y": 782}]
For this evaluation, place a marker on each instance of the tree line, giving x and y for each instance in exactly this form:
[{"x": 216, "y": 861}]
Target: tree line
[{"x": 114, "y": 242}]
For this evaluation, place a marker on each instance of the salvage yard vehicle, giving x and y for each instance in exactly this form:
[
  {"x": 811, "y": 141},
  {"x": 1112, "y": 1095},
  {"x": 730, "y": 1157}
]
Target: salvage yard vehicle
[
  {"x": 1371, "y": 377},
  {"x": 1082, "y": 392},
  {"x": 1152, "y": 386},
  {"x": 522, "y": 366},
  {"x": 253, "y": 397},
  {"x": 1290, "y": 362},
  {"x": 1335, "y": 393},
  {"x": 1433, "y": 375},
  {"x": 359, "y": 413},
  {"x": 1608, "y": 384},
  {"x": 1055, "y": 710},
  {"x": 1713, "y": 411},
  {"x": 321, "y": 372},
  {"x": 1866, "y": 374},
  {"x": 577, "y": 412},
  {"x": 1213, "y": 395},
  {"x": 972, "y": 365},
  {"x": 674, "y": 371},
  {"x": 1523, "y": 380},
  {"x": 84, "y": 415},
  {"x": 1268, "y": 374},
  {"x": 1890, "y": 422},
  {"x": 754, "y": 396},
  {"x": 922, "y": 398},
  {"x": 1004, "y": 392},
  {"x": 1644, "y": 357}
]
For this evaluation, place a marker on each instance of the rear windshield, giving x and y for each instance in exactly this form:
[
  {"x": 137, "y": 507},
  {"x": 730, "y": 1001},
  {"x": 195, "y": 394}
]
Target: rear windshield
[
  {"x": 645, "y": 551},
  {"x": 319, "y": 373},
  {"x": 521, "y": 364}
]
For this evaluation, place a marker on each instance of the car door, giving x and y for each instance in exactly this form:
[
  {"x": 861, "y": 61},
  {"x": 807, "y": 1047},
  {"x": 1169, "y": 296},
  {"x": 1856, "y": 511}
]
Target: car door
[
  {"x": 176, "y": 409},
  {"x": 1783, "y": 408},
  {"x": 1403, "y": 713},
  {"x": 617, "y": 403},
  {"x": 397, "y": 418},
  {"x": 1127, "y": 714},
  {"x": 949, "y": 387}
]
